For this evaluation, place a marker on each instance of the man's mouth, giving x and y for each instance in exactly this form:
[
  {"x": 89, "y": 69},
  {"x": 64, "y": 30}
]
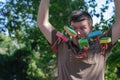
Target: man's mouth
[{"x": 78, "y": 37}]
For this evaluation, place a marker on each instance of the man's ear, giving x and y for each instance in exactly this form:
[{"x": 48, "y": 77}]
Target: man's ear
[{"x": 91, "y": 28}]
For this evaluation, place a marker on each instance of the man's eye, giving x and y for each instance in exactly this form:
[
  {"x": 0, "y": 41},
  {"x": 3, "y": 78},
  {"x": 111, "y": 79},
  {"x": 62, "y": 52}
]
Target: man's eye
[
  {"x": 83, "y": 28},
  {"x": 74, "y": 28}
]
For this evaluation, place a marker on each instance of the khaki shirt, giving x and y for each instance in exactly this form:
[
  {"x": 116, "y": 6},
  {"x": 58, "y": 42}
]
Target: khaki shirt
[{"x": 90, "y": 68}]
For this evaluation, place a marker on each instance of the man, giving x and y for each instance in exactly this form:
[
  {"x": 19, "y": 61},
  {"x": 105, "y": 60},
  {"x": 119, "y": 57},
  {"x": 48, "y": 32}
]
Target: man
[{"x": 71, "y": 66}]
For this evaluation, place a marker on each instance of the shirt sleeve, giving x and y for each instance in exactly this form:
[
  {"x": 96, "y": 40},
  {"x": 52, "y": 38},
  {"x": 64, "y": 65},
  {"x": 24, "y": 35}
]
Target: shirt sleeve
[
  {"x": 110, "y": 45},
  {"x": 54, "y": 45},
  {"x": 54, "y": 37}
]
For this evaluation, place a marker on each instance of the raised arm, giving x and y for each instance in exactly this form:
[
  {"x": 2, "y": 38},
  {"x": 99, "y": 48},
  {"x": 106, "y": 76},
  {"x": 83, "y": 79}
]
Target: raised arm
[
  {"x": 117, "y": 9},
  {"x": 116, "y": 26},
  {"x": 43, "y": 20}
]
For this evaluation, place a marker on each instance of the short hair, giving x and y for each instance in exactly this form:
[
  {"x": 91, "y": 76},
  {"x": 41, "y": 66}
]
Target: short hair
[{"x": 77, "y": 16}]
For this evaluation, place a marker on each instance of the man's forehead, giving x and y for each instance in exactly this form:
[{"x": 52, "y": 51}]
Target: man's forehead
[{"x": 80, "y": 23}]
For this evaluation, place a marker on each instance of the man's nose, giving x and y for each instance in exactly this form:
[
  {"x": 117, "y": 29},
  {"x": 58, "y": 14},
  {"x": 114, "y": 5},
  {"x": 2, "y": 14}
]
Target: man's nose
[{"x": 78, "y": 32}]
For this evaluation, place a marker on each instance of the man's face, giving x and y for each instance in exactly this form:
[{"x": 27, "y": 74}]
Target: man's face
[{"x": 82, "y": 29}]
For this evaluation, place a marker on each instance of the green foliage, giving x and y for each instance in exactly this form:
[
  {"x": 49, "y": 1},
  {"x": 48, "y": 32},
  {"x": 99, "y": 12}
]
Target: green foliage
[
  {"x": 7, "y": 46},
  {"x": 21, "y": 65},
  {"x": 111, "y": 73},
  {"x": 113, "y": 65}
]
